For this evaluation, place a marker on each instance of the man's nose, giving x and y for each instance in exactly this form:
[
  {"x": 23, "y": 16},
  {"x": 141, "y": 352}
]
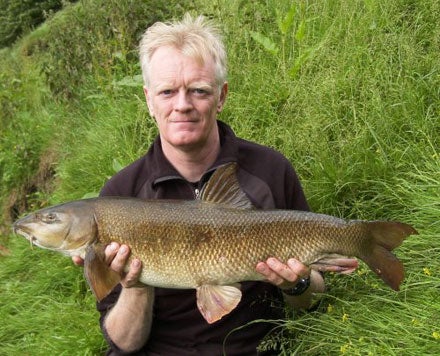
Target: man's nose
[{"x": 183, "y": 101}]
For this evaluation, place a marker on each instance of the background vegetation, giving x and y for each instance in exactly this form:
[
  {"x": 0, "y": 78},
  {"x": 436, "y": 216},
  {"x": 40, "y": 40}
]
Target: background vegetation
[
  {"x": 349, "y": 91},
  {"x": 18, "y": 17}
]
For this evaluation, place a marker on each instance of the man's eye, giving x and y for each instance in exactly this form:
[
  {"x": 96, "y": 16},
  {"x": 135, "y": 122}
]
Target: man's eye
[
  {"x": 199, "y": 91},
  {"x": 166, "y": 92}
]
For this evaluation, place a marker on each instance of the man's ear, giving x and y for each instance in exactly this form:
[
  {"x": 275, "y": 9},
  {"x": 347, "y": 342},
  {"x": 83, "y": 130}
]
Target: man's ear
[
  {"x": 149, "y": 102},
  {"x": 222, "y": 99}
]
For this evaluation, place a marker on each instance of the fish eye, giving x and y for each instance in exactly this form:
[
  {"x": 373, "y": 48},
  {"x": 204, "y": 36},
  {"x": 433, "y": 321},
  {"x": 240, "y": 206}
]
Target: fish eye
[{"x": 49, "y": 218}]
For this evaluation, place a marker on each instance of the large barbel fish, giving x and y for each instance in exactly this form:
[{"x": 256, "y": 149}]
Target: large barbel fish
[{"x": 209, "y": 244}]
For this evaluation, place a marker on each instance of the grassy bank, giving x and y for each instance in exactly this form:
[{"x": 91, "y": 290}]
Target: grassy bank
[{"x": 347, "y": 90}]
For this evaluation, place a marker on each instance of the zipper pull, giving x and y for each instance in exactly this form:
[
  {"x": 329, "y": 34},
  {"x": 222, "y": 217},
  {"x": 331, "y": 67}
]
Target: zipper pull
[{"x": 197, "y": 192}]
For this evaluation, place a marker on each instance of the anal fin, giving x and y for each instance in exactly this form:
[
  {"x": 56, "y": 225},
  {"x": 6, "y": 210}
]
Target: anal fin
[{"x": 335, "y": 263}]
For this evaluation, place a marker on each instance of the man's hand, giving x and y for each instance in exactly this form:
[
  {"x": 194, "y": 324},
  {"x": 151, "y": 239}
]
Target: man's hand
[
  {"x": 116, "y": 256},
  {"x": 283, "y": 275},
  {"x": 287, "y": 275}
]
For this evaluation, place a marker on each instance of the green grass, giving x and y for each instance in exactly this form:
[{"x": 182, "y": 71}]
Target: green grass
[
  {"x": 359, "y": 316},
  {"x": 45, "y": 305},
  {"x": 347, "y": 90}
]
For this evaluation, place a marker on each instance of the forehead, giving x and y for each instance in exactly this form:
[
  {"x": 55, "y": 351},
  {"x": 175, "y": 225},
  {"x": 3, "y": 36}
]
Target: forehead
[{"x": 169, "y": 64}]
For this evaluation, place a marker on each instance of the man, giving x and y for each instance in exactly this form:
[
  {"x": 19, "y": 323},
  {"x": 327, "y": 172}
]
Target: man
[{"x": 184, "y": 71}]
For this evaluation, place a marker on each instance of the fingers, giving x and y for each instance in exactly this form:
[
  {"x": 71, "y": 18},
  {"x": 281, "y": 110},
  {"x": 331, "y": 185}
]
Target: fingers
[
  {"x": 117, "y": 257},
  {"x": 283, "y": 275},
  {"x": 78, "y": 260},
  {"x": 131, "y": 279}
]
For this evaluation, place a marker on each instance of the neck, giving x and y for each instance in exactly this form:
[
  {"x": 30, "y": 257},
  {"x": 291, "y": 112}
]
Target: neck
[{"x": 193, "y": 162}]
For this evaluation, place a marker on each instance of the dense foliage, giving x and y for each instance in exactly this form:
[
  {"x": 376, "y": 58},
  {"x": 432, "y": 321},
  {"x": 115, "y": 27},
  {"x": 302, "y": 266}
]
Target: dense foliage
[
  {"x": 19, "y": 17},
  {"x": 349, "y": 91}
]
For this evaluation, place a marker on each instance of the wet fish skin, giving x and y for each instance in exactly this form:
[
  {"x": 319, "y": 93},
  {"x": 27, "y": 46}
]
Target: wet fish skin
[
  {"x": 208, "y": 244},
  {"x": 193, "y": 243}
]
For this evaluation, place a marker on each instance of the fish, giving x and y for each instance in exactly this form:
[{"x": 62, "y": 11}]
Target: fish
[{"x": 210, "y": 244}]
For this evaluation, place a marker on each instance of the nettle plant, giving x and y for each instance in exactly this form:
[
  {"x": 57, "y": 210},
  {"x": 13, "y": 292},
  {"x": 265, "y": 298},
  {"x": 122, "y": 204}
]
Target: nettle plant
[{"x": 288, "y": 46}]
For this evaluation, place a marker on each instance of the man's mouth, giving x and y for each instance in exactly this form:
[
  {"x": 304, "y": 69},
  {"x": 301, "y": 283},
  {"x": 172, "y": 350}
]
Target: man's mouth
[{"x": 183, "y": 120}]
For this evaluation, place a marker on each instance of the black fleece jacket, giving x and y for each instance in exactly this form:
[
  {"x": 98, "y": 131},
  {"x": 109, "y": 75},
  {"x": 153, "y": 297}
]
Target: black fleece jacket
[{"x": 270, "y": 181}]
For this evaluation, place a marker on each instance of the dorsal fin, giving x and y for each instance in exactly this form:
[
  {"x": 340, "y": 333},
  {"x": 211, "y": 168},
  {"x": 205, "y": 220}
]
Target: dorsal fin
[{"x": 223, "y": 188}]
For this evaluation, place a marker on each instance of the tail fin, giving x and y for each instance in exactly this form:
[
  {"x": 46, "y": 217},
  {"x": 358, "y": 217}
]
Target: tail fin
[{"x": 386, "y": 236}]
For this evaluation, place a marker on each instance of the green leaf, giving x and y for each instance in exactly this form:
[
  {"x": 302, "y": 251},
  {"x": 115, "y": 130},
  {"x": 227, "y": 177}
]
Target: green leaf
[
  {"x": 301, "y": 31},
  {"x": 266, "y": 42},
  {"x": 300, "y": 60},
  {"x": 286, "y": 24}
]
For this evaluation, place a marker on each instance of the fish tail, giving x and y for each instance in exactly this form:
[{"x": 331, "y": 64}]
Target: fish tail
[{"x": 384, "y": 236}]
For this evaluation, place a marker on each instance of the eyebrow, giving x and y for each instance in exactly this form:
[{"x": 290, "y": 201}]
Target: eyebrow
[
  {"x": 202, "y": 85},
  {"x": 161, "y": 87},
  {"x": 194, "y": 85}
]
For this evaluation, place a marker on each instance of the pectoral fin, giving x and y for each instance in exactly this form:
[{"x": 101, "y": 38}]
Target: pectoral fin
[
  {"x": 215, "y": 301},
  {"x": 100, "y": 277}
]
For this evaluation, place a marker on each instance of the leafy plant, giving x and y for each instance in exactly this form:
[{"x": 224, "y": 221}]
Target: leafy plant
[{"x": 287, "y": 48}]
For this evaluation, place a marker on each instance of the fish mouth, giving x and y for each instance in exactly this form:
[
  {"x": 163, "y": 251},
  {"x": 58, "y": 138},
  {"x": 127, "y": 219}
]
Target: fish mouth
[
  {"x": 28, "y": 236},
  {"x": 20, "y": 231}
]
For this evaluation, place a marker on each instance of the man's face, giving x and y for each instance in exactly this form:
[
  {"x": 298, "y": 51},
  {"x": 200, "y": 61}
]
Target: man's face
[{"x": 184, "y": 99}]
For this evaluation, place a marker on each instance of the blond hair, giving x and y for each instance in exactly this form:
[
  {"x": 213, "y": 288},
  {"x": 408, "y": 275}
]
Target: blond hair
[{"x": 196, "y": 38}]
